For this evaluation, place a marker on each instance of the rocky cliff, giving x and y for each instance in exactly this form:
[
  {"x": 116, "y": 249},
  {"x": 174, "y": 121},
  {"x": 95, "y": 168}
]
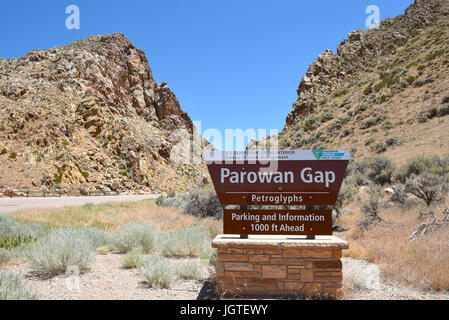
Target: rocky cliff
[
  {"x": 90, "y": 115},
  {"x": 384, "y": 91}
]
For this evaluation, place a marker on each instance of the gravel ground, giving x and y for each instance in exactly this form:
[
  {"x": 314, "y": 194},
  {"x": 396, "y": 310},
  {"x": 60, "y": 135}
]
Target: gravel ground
[{"x": 107, "y": 280}]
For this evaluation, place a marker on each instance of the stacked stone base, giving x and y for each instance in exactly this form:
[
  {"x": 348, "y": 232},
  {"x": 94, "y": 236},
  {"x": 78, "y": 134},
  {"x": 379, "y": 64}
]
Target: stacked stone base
[{"x": 279, "y": 266}]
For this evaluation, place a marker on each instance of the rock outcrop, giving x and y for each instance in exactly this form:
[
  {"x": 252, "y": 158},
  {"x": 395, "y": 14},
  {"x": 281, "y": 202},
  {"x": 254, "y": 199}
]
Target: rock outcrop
[
  {"x": 91, "y": 115},
  {"x": 385, "y": 91},
  {"x": 330, "y": 69}
]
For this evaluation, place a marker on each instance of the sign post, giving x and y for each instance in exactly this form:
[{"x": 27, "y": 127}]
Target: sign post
[{"x": 276, "y": 192}]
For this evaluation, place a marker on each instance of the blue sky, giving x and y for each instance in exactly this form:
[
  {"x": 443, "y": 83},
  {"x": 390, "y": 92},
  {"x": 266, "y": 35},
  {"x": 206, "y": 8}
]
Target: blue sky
[{"x": 232, "y": 64}]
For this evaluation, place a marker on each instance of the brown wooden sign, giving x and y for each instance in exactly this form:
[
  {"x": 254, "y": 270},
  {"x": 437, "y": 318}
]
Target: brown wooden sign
[
  {"x": 278, "y": 177},
  {"x": 278, "y": 222}
]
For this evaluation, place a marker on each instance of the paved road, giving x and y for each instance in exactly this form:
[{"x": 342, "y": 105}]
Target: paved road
[{"x": 8, "y": 205}]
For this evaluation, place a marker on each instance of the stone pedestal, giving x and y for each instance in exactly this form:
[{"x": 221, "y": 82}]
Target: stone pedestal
[{"x": 279, "y": 265}]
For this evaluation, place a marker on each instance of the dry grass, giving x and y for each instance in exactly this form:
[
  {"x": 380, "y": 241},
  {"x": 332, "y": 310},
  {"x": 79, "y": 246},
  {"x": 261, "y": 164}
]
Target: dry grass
[
  {"x": 109, "y": 216},
  {"x": 423, "y": 263}
]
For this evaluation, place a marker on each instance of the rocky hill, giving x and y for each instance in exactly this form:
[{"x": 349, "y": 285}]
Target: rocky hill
[
  {"x": 90, "y": 115},
  {"x": 385, "y": 91}
]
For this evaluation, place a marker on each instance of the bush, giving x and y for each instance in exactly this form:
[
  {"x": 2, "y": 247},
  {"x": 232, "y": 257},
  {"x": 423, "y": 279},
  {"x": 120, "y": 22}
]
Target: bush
[
  {"x": 171, "y": 194},
  {"x": 133, "y": 259},
  {"x": 12, "y": 155},
  {"x": 188, "y": 270},
  {"x": 203, "y": 204},
  {"x": 401, "y": 197},
  {"x": 157, "y": 271},
  {"x": 370, "y": 212},
  {"x": 13, "y": 287},
  {"x": 60, "y": 249},
  {"x": 186, "y": 242},
  {"x": 443, "y": 110},
  {"x": 98, "y": 237},
  {"x": 380, "y": 147},
  {"x": 427, "y": 114},
  {"x": 198, "y": 202},
  {"x": 445, "y": 100},
  {"x": 3, "y": 151},
  {"x": 427, "y": 186},
  {"x": 380, "y": 170},
  {"x": 348, "y": 193},
  {"x": 368, "y": 90},
  {"x": 5, "y": 256},
  {"x": 13, "y": 234},
  {"x": 414, "y": 166},
  {"x": 136, "y": 236}
]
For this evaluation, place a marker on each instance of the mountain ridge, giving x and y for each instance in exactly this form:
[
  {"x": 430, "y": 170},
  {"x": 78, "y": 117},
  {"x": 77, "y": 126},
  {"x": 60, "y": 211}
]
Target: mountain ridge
[
  {"x": 90, "y": 115},
  {"x": 384, "y": 92}
]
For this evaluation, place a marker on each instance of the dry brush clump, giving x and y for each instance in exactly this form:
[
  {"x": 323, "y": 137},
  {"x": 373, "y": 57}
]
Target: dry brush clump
[
  {"x": 188, "y": 270},
  {"x": 200, "y": 203},
  {"x": 13, "y": 287},
  {"x": 143, "y": 236},
  {"x": 62, "y": 248},
  {"x": 133, "y": 259},
  {"x": 186, "y": 242}
]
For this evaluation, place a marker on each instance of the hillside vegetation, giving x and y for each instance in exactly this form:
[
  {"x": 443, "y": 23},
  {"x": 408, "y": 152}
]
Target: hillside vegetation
[{"x": 385, "y": 91}]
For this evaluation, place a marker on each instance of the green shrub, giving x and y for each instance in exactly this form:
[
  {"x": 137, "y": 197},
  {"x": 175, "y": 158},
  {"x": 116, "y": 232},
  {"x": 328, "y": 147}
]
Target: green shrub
[
  {"x": 188, "y": 270},
  {"x": 443, "y": 110},
  {"x": 369, "y": 141},
  {"x": 160, "y": 200},
  {"x": 421, "y": 67},
  {"x": 3, "y": 151},
  {"x": 171, "y": 194},
  {"x": 157, "y": 272},
  {"x": 133, "y": 259},
  {"x": 12, "y": 155},
  {"x": 368, "y": 90},
  {"x": 413, "y": 166},
  {"x": 380, "y": 170},
  {"x": 85, "y": 174},
  {"x": 391, "y": 142},
  {"x": 411, "y": 79},
  {"x": 341, "y": 92},
  {"x": 360, "y": 108},
  {"x": 445, "y": 100},
  {"x": 13, "y": 287},
  {"x": 136, "y": 236},
  {"x": 99, "y": 238},
  {"x": 310, "y": 123},
  {"x": 60, "y": 249},
  {"x": 198, "y": 202},
  {"x": 13, "y": 234},
  {"x": 380, "y": 147},
  {"x": 370, "y": 212},
  {"x": 186, "y": 242},
  {"x": 9, "y": 243}
]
